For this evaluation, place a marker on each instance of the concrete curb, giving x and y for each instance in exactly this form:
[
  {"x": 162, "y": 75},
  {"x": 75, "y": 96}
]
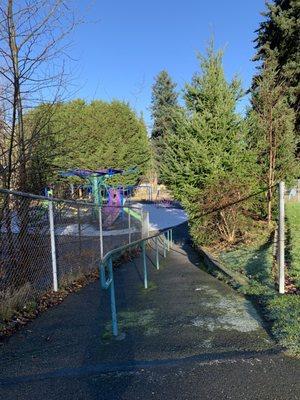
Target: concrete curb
[{"x": 213, "y": 263}]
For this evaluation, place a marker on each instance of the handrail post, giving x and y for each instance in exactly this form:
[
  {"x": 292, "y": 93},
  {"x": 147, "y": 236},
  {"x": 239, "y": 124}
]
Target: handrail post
[
  {"x": 145, "y": 265},
  {"x": 157, "y": 253},
  {"x": 165, "y": 249},
  {"x": 113, "y": 299},
  {"x": 129, "y": 228},
  {"x": 100, "y": 233},
  {"x": 171, "y": 238},
  {"x": 79, "y": 227},
  {"x": 168, "y": 239}
]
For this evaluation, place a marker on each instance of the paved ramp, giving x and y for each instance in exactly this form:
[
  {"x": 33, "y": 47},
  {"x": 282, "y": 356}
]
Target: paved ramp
[{"x": 189, "y": 336}]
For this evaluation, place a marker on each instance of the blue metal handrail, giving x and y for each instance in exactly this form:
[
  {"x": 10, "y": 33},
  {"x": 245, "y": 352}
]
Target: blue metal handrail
[{"x": 107, "y": 279}]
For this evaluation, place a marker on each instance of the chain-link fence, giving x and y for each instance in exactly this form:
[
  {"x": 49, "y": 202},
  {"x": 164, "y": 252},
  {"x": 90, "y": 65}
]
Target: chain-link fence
[
  {"x": 47, "y": 243},
  {"x": 142, "y": 192},
  {"x": 84, "y": 192}
]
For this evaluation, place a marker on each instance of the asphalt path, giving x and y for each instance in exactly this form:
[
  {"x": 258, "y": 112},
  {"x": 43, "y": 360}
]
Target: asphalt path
[{"x": 189, "y": 336}]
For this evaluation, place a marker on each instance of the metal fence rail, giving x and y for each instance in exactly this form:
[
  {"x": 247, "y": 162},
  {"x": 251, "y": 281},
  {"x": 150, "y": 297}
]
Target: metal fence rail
[
  {"x": 163, "y": 239},
  {"x": 47, "y": 243}
]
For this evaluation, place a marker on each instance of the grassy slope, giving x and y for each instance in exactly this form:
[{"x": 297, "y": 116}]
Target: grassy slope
[
  {"x": 293, "y": 224},
  {"x": 255, "y": 261}
]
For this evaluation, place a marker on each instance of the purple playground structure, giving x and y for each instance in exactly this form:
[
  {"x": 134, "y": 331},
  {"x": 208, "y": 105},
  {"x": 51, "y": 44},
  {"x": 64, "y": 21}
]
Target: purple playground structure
[
  {"x": 112, "y": 210},
  {"x": 97, "y": 180}
]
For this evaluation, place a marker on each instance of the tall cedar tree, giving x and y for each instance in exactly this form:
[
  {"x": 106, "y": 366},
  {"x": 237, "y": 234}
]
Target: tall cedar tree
[
  {"x": 205, "y": 162},
  {"x": 280, "y": 34},
  {"x": 164, "y": 101},
  {"x": 272, "y": 129}
]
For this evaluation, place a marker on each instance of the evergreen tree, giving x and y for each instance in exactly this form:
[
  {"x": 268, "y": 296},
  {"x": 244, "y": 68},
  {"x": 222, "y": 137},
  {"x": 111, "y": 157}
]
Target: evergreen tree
[
  {"x": 279, "y": 34},
  {"x": 164, "y": 104},
  {"x": 93, "y": 136},
  {"x": 164, "y": 100},
  {"x": 272, "y": 129},
  {"x": 205, "y": 162}
]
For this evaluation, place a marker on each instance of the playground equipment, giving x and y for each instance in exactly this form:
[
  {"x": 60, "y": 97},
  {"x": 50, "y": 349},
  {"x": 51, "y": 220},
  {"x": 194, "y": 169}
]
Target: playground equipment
[
  {"x": 114, "y": 197},
  {"x": 112, "y": 209},
  {"x": 96, "y": 179}
]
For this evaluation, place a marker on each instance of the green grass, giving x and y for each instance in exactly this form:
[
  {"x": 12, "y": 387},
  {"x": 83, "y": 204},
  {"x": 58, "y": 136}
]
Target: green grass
[
  {"x": 284, "y": 311},
  {"x": 255, "y": 261},
  {"x": 293, "y": 234}
]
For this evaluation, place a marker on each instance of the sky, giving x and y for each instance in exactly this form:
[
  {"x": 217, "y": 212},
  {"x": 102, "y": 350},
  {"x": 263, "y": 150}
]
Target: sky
[{"x": 125, "y": 43}]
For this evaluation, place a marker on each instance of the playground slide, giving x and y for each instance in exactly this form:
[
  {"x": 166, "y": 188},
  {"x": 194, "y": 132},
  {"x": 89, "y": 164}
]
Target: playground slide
[
  {"x": 110, "y": 215},
  {"x": 112, "y": 210}
]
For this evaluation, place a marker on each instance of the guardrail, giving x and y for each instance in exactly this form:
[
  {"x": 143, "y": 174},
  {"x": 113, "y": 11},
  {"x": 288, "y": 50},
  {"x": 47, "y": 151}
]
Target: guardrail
[{"x": 106, "y": 266}]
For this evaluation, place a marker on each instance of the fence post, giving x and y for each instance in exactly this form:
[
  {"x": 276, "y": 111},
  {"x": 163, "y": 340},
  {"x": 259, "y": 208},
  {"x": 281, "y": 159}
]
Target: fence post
[
  {"x": 281, "y": 238},
  {"x": 53, "y": 249},
  {"x": 113, "y": 299},
  {"x": 157, "y": 252},
  {"x": 145, "y": 224},
  {"x": 129, "y": 227},
  {"x": 150, "y": 193},
  {"x": 79, "y": 228},
  {"x": 100, "y": 233},
  {"x": 145, "y": 265}
]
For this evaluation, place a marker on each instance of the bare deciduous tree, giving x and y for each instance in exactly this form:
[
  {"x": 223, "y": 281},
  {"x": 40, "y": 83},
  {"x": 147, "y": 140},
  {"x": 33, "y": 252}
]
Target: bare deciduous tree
[{"x": 32, "y": 72}]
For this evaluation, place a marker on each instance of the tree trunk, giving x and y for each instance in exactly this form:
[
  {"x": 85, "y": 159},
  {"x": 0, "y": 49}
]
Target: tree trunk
[
  {"x": 272, "y": 161},
  {"x": 18, "y": 126}
]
